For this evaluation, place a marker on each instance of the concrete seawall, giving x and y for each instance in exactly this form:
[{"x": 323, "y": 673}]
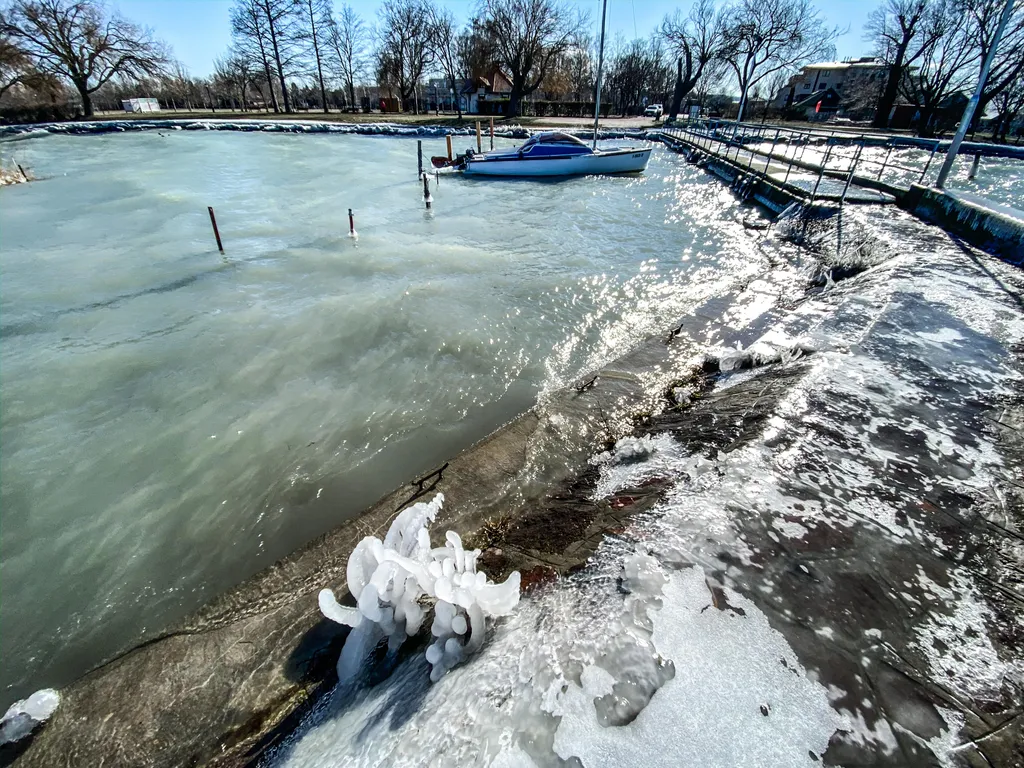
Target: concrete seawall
[{"x": 993, "y": 228}]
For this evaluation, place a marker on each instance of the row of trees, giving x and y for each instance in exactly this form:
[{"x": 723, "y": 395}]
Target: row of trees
[
  {"x": 289, "y": 53},
  {"x": 935, "y": 49}
]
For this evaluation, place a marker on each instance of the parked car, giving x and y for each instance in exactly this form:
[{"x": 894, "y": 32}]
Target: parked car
[{"x": 654, "y": 110}]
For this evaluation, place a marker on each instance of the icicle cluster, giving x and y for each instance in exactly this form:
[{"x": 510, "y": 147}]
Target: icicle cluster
[{"x": 391, "y": 580}]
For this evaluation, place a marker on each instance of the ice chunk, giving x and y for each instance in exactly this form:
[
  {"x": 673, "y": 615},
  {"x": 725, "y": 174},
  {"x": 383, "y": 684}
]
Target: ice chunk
[{"x": 24, "y": 716}]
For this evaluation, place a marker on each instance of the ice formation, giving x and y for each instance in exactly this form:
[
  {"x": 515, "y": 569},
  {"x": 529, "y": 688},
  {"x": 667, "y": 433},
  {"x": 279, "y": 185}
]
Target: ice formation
[
  {"x": 392, "y": 579},
  {"x": 761, "y": 352},
  {"x": 24, "y": 716}
]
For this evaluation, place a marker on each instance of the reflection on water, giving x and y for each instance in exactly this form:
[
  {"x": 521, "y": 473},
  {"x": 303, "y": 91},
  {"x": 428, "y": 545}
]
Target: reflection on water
[{"x": 174, "y": 420}]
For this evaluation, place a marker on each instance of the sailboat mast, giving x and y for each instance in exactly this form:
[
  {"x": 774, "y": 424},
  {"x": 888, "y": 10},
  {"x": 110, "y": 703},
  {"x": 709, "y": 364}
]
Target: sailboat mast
[{"x": 600, "y": 67}]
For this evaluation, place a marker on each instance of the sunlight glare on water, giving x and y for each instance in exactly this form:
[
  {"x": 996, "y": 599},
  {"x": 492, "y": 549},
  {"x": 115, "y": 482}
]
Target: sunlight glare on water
[{"x": 174, "y": 420}]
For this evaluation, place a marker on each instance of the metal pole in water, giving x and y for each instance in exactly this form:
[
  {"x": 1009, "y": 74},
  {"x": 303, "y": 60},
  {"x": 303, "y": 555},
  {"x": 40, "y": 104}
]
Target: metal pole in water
[
  {"x": 419, "y": 158},
  {"x": 426, "y": 190},
  {"x": 929, "y": 163},
  {"x": 974, "y": 166},
  {"x": 600, "y": 70},
  {"x": 492, "y": 133},
  {"x": 216, "y": 232},
  {"x": 448, "y": 141},
  {"x": 351, "y": 224},
  {"x": 479, "y": 142},
  {"x": 965, "y": 121}
]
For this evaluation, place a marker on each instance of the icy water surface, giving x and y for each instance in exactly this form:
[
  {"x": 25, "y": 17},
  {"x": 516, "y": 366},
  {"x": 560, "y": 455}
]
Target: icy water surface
[{"x": 174, "y": 420}]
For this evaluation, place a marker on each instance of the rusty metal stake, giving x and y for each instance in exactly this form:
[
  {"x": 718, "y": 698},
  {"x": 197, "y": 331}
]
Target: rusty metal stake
[{"x": 216, "y": 232}]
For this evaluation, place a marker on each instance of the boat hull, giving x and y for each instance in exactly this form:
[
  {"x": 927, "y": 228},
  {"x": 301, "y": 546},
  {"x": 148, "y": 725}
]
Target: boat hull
[{"x": 615, "y": 161}]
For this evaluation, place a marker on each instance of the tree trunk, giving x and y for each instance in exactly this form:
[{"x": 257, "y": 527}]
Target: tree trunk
[
  {"x": 83, "y": 92},
  {"x": 352, "y": 95},
  {"x": 677, "y": 93},
  {"x": 515, "y": 99},
  {"x": 892, "y": 87},
  {"x": 270, "y": 85},
  {"x": 280, "y": 69},
  {"x": 458, "y": 102}
]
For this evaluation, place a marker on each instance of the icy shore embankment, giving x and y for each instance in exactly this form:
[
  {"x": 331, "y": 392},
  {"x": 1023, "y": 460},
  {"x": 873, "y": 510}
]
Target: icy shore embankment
[{"x": 92, "y": 127}]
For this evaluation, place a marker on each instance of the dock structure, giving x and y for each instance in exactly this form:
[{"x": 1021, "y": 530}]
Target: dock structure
[{"x": 825, "y": 169}]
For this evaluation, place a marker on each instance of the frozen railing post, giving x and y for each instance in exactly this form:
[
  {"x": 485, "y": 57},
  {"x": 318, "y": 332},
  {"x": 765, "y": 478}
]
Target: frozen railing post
[
  {"x": 974, "y": 166},
  {"x": 216, "y": 232}
]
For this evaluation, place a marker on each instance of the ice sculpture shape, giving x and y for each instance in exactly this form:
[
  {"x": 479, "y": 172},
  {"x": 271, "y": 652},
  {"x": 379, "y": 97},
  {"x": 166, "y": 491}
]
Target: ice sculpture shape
[{"x": 392, "y": 581}]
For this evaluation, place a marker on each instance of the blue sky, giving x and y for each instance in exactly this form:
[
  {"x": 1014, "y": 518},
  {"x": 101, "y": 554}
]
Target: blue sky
[{"x": 199, "y": 30}]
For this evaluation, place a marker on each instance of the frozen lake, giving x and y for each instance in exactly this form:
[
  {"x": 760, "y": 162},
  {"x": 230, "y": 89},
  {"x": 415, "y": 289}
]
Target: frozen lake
[{"x": 174, "y": 421}]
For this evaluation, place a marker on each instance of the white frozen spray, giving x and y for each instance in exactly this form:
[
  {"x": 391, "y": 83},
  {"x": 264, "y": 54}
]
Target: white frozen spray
[{"x": 392, "y": 579}]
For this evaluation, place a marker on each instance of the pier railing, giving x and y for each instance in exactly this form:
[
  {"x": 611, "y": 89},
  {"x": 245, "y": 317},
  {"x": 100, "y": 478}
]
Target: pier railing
[{"x": 886, "y": 164}]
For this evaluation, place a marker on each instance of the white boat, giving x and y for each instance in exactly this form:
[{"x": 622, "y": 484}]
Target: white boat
[{"x": 556, "y": 154}]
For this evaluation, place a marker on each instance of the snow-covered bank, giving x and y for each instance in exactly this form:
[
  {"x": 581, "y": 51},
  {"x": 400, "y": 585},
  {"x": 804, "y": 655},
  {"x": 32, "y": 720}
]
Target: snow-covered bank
[{"x": 92, "y": 127}]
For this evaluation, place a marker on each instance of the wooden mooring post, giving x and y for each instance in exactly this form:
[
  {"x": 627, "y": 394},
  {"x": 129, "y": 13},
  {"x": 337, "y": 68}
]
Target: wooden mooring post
[
  {"x": 419, "y": 158},
  {"x": 479, "y": 141},
  {"x": 492, "y": 133},
  {"x": 448, "y": 141}
]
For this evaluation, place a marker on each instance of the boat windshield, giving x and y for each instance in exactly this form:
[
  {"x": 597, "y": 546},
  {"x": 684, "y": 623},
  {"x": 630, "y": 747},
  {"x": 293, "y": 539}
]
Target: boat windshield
[{"x": 553, "y": 138}]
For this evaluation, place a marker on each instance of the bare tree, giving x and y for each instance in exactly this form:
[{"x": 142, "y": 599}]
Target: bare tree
[
  {"x": 403, "y": 46},
  {"x": 1009, "y": 104},
  {"x": 347, "y": 39},
  {"x": 252, "y": 38},
  {"x": 1007, "y": 68},
  {"x": 697, "y": 39},
  {"x": 528, "y": 36},
  {"x": 579, "y": 68},
  {"x": 444, "y": 40},
  {"x": 76, "y": 40},
  {"x": 314, "y": 36},
  {"x": 638, "y": 70},
  {"x": 895, "y": 28},
  {"x": 763, "y": 36},
  {"x": 269, "y": 26},
  {"x": 945, "y": 66}
]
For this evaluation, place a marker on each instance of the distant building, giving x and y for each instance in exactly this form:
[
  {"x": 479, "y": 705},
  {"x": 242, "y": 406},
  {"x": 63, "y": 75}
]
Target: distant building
[
  {"x": 857, "y": 83},
  {"x": 488, "y": 94},
  {"x": 140, "y": 105}
]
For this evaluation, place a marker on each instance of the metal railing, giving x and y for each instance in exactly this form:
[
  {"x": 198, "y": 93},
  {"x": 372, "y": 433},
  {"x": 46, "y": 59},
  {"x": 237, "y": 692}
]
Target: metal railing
[{"x": 843, "y": 156}]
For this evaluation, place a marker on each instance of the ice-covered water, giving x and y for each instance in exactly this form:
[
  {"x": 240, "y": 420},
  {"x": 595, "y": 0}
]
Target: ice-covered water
[{"x": 174, "y": 421}]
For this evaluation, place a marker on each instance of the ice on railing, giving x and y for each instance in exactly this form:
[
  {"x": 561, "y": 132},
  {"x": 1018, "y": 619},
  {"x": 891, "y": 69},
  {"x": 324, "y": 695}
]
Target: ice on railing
[
  {"x": 395, "y": 580},
  {"x": 24, "y": 716}
]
